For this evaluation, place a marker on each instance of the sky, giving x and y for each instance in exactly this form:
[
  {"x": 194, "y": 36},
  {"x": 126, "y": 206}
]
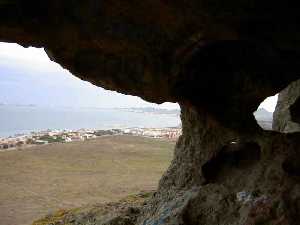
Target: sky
[
  {"x": 269, "y": 103},
  {"x": 28, "y": 76}
]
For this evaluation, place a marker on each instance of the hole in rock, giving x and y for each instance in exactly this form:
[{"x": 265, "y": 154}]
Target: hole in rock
[
  {"x": 118, "y": 144},
  {"x": 236, "y": 155},
  {"x": 286, "y": 117},
  {"x": 264, "y": 113}
]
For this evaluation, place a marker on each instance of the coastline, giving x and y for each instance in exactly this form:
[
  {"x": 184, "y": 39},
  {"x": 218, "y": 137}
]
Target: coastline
[{"x": 49, "y": 137}]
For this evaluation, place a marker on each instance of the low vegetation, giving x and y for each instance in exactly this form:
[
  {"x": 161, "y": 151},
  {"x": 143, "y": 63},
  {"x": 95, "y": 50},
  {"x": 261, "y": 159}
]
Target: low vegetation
[
  {"x": 124, "y": 211},
  {"x": 37, "y": 181},
  {"x": 51, "y": 139}
]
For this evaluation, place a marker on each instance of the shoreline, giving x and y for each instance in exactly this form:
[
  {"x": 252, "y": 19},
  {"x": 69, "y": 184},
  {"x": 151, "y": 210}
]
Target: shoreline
[
  {"x": 50, "y": 137},
  {"x": 30, "y": 147},
  {"x": 26, "y": 147}
]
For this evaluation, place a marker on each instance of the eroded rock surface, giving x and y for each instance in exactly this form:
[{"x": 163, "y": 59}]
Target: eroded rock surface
[
  {"x": 219, "y": 60},
  {"x": 287, "y": 112},
  {"x": 220, "y": 176}
]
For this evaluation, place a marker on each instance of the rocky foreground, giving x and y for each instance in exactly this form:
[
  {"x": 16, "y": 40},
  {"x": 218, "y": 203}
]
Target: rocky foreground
[{"x": 123, "y": 212}]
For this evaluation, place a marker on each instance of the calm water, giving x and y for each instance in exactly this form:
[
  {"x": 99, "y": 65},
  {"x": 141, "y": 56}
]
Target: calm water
[{"x": 24, "y": 119}]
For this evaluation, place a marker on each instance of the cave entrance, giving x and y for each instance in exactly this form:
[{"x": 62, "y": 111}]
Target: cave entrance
[
  {"x": 264, "y": 112},
  {"x": 281, "y": 111},
  {"x": 118, "y": 145}
]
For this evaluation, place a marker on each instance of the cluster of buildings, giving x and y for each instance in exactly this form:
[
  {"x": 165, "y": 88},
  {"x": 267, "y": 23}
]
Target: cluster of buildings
[
  {"x": 46, "y": 137},
  {"x": 169, "y": 132},
  {"x": 62, "y": 136},
  {"x": 6, "y": 143}
]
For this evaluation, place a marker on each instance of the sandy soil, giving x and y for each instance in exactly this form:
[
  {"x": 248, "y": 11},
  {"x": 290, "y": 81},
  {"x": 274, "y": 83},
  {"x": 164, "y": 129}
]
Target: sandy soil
[{"x": 39, "y": 180}]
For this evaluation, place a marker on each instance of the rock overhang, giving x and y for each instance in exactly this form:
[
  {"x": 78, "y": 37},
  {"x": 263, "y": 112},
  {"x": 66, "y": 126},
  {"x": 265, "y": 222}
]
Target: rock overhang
[
  {"x": 219, "y": 60},
  {"x": 136, "y": 47}
]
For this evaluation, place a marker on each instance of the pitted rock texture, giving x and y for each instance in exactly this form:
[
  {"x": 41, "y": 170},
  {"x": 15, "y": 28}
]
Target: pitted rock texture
[
  {"x": 287, "y": 112},
  {"x": 219, "y": 60},
  {"x": 214, "y": 166}
]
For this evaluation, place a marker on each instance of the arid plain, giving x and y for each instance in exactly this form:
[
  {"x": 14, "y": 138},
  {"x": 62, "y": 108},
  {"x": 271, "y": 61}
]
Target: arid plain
[{"x": 42, "y": 179}]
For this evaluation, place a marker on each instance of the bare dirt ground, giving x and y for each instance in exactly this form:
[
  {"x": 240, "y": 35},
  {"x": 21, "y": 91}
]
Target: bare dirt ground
[{"x": 42, "y": 179}]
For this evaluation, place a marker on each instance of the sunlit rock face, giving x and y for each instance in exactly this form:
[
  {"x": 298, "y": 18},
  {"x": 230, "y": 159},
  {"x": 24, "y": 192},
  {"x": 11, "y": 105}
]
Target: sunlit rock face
[
  {"x": 219, "y": 60},
  {"x": 287, "y": 113}
]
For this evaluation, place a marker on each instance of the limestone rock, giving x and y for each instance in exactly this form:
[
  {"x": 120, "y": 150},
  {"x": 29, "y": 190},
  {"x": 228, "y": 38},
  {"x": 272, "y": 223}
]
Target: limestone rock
[
  {"x": 213, "y": 165},
  {"x": 219, "y": 60},
  {"x": 286, "y": 115}
]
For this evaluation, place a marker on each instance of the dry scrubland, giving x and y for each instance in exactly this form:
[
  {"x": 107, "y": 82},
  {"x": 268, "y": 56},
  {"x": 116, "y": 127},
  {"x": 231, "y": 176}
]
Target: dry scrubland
[{"x": 39, "y": 180}]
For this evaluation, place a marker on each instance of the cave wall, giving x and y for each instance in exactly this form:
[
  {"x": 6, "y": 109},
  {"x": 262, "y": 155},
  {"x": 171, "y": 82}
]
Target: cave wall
[
  {"x": 219, "y": 60},
  {"x": 221, "y": 177},
  {"x": 295, "y": 111},
  {"x": 286, "y": 114}
]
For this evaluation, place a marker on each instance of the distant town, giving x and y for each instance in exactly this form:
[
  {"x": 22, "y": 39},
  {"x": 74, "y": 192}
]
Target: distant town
[
  {"x": 151, "y": 110},
  {"x": 64, "y": 136}
]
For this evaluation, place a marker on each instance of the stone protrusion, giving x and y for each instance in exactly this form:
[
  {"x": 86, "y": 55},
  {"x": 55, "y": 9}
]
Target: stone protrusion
[{"x": 286, "y": 115}]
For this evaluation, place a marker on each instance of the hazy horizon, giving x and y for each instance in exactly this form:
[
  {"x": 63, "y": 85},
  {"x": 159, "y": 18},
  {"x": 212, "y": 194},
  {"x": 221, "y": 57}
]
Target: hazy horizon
[{"x": 29, "y": 77}]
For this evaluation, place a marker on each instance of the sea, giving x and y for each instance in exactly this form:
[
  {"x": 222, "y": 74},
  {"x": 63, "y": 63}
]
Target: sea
[{"x": 17, "y": 120}]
